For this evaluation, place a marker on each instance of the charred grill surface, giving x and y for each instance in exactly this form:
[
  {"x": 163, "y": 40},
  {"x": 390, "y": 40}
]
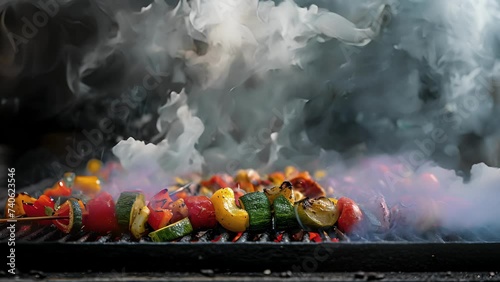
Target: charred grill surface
[{"x": 223, "y": 251}]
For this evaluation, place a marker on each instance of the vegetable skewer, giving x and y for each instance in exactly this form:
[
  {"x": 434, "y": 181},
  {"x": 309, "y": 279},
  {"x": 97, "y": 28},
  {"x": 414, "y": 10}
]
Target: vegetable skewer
[
  {"x": 33, "y": 218},
  {"x": 289, "y": 205}
]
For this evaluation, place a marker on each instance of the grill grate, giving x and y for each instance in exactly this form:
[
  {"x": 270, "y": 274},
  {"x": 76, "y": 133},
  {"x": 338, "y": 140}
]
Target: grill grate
[
  {"x": 26, "y": 232},
  {"x": 34, "y": 233},
  {"x": 220, "y": 250}
]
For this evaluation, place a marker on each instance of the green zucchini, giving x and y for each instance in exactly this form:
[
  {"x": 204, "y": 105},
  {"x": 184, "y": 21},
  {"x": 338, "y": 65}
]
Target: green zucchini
[
  {"x": 138, "y": 228},
  {"x": 259, "y": 212},
  {"x": 128, "y": 206},
  {"x": 284, "y": 214},
  {"x": 173, "y": 231},
  {"x": 74, "y": 211}
]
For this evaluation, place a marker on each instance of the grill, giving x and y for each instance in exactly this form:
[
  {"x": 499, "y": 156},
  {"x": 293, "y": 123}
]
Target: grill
[
  {"x": 409, "y": 255},
  {"x": 86, "y": 74},
  {"x": 221, "y": 251}
]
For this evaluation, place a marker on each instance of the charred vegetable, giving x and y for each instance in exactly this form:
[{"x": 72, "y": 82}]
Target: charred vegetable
[
  {"x": 128, "y": 206},
  {"x": 16, "y": 207},
  {"x": 138, "y": 227},
  {"x": 73, "y": 208},
  {"x": 179, "y": 210},
  {"x": 318, "y": 213},
  {"x": 60, "y": 189},
  {"x": 43, "y": 206},
  {"x": 89, "y": 185},
  {"x": 307, "y": 186},
  {"x": 201, "y": 212},
  {"x": 159, "y": 213},
  {"x": 259, "y": 210},
  {"x": 284, "y": 214},
  {"x": 350, "y": 215},
  {"x": 173, "y": 231},
  {"x": 285, "y": 189},
  {"x": 101, "y": 217},
  {"x": 227, "y": 213}
]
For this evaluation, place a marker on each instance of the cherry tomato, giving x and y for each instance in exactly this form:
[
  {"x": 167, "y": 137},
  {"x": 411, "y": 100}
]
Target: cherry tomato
[
  {"x": 201, "y": 212},
  {"x": 101, "y": 216},
  {"x": 350, "y": 215}
]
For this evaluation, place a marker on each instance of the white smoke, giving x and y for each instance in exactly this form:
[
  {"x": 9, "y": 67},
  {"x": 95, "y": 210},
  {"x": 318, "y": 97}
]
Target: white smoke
[
  {"x": 266, "y": 88},
  {"x": 176, "y": 153},
  {"x": 242, "y": 39},
  {"x": 423, "y": 199}
]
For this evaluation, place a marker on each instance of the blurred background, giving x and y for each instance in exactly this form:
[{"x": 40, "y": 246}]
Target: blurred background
[{"x": 76, "y": 77}]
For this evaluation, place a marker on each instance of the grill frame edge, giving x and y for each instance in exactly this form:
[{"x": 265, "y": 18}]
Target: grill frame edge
[{"x": 256, "y": 256}]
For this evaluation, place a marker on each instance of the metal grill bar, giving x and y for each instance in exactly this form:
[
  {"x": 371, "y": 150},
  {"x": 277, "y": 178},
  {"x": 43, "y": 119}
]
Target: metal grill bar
[
  {"x": 29, "y": 233},
  {"x": 36, "y": 233},
  {"x": 221, "y": 250}
]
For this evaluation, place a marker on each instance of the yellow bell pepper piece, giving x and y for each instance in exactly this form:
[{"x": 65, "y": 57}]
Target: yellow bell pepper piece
[
  {"x": 284, "y": 189},
  {"x": 204, "y": 191},
  {"x": 94, "y": 166},
  {"x": 333, "y": 200},
  {"x": 87, "y": 184},
  {"x": 15, "y": 208},
  {"x": 290, "y": 171},
  {"x": 246, "y": 179},
  {"x": 320, "y": 174},
  {"x": 298, "y": 195},
  {"x": 227, "y": 213}
]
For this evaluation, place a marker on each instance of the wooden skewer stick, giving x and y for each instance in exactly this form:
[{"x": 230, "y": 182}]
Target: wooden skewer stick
[{"x": 17, "y": 219}]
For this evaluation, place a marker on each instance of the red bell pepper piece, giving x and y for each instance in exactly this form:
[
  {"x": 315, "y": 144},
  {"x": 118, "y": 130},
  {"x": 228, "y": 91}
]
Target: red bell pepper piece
[
  {"x": 237, "y": 194},
  {"x": 180, "y": 195},
  {"x": 159, "y": 218},
  {"x": 217, "y": 182},
  {"x": 315, "y": 237},
  {"x": 43, "y": 206},
  {"x": 160, "y": 200},
  {"x": 17, "y": 207},
  {"x": 160, "y": 214},
  {"x": 58, "y": 190}
]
